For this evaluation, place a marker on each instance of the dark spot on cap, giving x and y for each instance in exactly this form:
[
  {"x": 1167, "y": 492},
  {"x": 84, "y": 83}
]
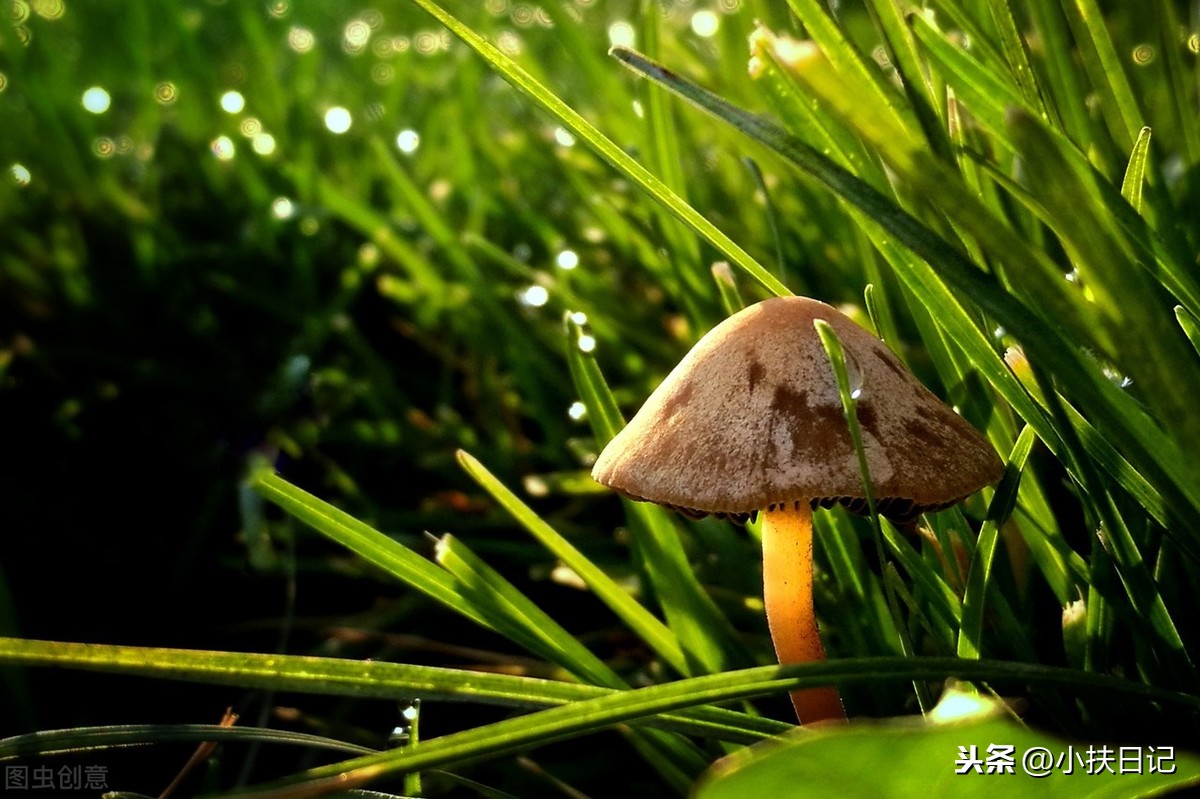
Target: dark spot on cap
[
  {"x": 678, "y": 401},
  {"x": 929, "y": 435},
  {"x": 817, "y": 433},
  {"x": 865, "y": 411},
  {"x": 756, "y": 374}
]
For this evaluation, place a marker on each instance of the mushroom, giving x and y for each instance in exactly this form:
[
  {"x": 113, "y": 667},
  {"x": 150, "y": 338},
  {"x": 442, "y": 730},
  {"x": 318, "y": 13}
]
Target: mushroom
[{"x": 751, "y": 421}]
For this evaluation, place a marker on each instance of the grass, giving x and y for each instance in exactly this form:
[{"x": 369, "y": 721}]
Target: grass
[{"x": 278, "y": 365}]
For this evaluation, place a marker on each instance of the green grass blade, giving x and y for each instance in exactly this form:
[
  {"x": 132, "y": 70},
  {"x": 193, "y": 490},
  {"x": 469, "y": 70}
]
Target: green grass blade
[
  {"x": 1128, "y": 300},
  {"x": 1135, "y": 171},
  {"x": 987, "y": 93},
  {"x": 369, "y": 544},
  {"x": 924, "y": 88},
  {"x": 1017, "y": 55},
  {"x": 942, "y": 604},
  {"x": 707, "y": 638},
  {"x": 605, "y": 148},
  {"x": 93, "y": 739},
  {"x": 1106, "y": 69},
  {"x": 603, "y": 413},
  {"x": 864, "y": 81},
  {"x": 1168, "y": 26},
  {"x": 364, "y": 679},
  {"x": 665, "y": 155},
  {"x": 837, "y": 361},
  {"x": 1190, "y": 326},
  {"x": 731, "y": 298},
  {"x": 487, "y": 588},
  {"x": 656, "y": 635},
  {"x": 675, "y": 757},
  {"x": 970, "y": 636},
  {"x": 1061, "y": 74}
]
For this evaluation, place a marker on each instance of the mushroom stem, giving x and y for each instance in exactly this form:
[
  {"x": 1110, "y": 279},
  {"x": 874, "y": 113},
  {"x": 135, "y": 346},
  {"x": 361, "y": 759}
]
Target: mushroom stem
[{"x": 788, "y": 594}]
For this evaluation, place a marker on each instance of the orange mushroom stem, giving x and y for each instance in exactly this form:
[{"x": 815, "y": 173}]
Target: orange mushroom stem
[{"x": 787, "y": 542}]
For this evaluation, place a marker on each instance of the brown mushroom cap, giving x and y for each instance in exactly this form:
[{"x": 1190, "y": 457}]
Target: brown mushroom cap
[{"x": 751, "y": 418}]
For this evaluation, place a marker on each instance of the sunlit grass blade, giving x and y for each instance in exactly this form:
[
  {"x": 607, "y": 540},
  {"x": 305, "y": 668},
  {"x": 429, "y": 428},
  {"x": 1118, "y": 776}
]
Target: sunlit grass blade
[
  {"x": 665, "y": 160},
  {"x": 951, "y": 265},
  {"x": 93, "y": 739},
  {"x": 605, "y": 148},
  {"x": 707, "y": 638},
  {"x": 1017, "y": 55},
  {"x": 1129, "y": 300},
  {"x": 970, "y": 636},
  {"x": 1190, "y": 326},
  {"x": 656, "y": 635},
  {"x": 489, "y": 589},
  {"x": 364, "y": 679},
  {"x": 925, "y": 89},
  {"x": 1135, "y": 171},
  {"x": 837, "y": 361},
  {"x": 1178, "y": 80},
  {"x": 1106, "y": 70},
  {"x": 1065, "y": 90},
  {"x": 682, "y": 760},
  {"x": 863, "y": 80},
  {"x": 603, "y": 413},
  {"x": 731, "y": 298},
  {"x": 370, "y": 544},
  {"x": 583, "y": 717},
  {"x": 989, "y": 94}
]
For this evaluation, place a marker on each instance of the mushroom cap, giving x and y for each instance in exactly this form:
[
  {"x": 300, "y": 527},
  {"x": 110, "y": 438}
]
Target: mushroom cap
[{"x": 751, "y": 418}]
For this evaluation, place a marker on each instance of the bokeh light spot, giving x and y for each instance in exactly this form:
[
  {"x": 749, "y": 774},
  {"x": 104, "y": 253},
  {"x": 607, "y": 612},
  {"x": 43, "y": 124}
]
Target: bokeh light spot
[
  {"x": 705, "y": 23},
  {"x": 263, "y": 143},
  {"x": 408, "y": 141},
  {"x": 620, "y": 34},
  {"x": 534, "y": 296},
  {"x": 338, "y": 120},
  {"x": 567, "y": 259},
  {"x": 301, "y": 39},
  {"x": 232, "y": 102},
  {"x": 283, "y": 208},
  {"x": 223, "y": 148},
  {"x": 355, "y": 36},
  {"x": 166, "y": 93},
  {"x": 49, "y": 9},
  {"x": 564, "y": 137},
  {"x": 96, "y": 100}
]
